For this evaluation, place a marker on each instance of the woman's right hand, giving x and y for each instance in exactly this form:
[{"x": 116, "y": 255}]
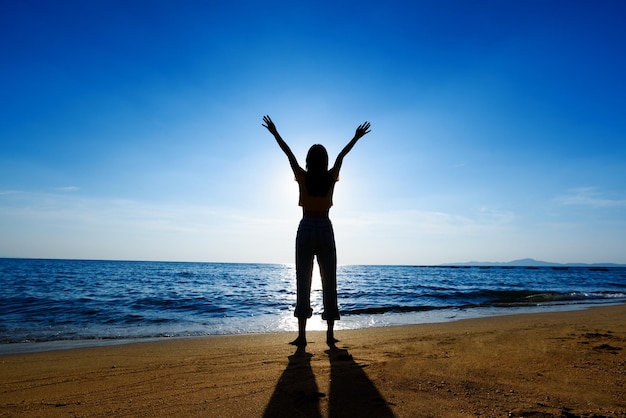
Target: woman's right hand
[{"x": 362, "y": 130}]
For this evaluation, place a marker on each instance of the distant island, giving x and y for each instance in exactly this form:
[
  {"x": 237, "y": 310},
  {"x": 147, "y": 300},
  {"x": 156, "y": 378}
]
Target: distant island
[{"x": 529, "y": 262}]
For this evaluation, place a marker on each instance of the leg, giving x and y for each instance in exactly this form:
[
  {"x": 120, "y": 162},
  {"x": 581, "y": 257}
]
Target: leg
[
  {"x": 330, "y": 334},
  {"x": 327, "y": 259},
  {"x": 304, "y": 275},
  {"x": 301, "y": 340}
]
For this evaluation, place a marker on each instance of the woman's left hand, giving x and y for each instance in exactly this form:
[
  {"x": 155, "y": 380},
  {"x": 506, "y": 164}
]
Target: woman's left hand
[{"x": 270, "y": 125}]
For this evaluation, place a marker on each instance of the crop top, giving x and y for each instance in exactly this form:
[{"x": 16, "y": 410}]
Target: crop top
[{"x": 314, "y": 203}]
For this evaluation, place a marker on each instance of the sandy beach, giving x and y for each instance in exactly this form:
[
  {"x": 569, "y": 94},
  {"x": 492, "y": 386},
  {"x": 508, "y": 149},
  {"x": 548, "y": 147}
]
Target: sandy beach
[{"x": 564, "y": 364}]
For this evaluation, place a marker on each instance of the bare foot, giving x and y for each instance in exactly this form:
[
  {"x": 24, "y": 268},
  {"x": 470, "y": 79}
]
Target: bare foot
[
  {"x": 299, "y": 342},
  {"x": 331, "y": 340}
]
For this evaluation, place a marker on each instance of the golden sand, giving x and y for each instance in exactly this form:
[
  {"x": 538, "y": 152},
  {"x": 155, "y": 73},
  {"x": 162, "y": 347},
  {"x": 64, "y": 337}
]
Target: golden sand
[{"x": 564, "y": 364}]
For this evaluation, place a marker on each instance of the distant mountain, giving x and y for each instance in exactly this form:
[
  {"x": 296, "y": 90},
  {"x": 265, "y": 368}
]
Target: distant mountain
[{"x": 529, "y": 262}]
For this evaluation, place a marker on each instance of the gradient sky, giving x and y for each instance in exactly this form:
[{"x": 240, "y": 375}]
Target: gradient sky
[{"x": 132, "y": 129}]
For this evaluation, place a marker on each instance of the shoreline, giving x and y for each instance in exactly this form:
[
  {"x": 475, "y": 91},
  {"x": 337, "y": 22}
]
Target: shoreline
[
  {"x": 569, "y": 363},
  {"x": 315, "y": 324}
]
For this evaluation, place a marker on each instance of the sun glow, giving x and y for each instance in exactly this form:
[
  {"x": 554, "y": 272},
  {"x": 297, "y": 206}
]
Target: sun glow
[{"x": 316, "y": 283}]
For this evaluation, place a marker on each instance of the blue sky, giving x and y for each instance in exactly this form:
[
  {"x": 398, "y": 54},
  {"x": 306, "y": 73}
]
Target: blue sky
[{"x": 132, "y": 130}]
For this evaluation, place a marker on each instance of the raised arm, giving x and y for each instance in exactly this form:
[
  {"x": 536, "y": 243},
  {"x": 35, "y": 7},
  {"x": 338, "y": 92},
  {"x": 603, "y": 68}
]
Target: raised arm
[
  {"x": 283, "y": 145},
  {"x": 360, "y": 132}
]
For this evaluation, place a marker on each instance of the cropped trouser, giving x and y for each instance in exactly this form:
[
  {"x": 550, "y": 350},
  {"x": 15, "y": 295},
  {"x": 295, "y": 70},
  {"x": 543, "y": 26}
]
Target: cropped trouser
[{"x": 316, "y": 238}]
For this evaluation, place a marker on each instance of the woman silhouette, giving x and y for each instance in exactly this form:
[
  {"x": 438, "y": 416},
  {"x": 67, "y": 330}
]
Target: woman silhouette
[{"x": 315, "y": 235}]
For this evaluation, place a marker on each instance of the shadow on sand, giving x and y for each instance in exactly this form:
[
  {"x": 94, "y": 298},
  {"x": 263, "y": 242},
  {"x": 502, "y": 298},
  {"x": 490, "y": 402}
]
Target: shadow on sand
[
  {"x": 296, "y": 393},
  {"x": 352, "y": 393}
]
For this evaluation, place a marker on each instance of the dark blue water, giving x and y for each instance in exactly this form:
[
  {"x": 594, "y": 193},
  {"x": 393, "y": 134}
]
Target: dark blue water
[{"x": 50, "y": 300}]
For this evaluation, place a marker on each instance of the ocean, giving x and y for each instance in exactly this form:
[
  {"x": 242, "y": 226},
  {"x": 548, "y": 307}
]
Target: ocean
[{"x": 52, "y": 303}]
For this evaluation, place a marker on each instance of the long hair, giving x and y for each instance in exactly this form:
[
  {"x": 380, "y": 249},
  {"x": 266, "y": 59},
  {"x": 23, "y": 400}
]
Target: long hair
[{"x": 318, "y": 179}]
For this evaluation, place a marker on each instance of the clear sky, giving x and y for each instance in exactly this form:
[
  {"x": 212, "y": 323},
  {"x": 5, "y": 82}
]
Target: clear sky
[{"x": 132, "y": 129}]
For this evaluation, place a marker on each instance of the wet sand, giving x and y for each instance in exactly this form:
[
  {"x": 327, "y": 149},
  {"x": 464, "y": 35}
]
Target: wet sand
[{"x": 565, "y": 364}]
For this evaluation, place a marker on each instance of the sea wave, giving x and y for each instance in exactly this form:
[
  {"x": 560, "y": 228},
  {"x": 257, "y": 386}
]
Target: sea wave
[{"x": 49, "y": 300}]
